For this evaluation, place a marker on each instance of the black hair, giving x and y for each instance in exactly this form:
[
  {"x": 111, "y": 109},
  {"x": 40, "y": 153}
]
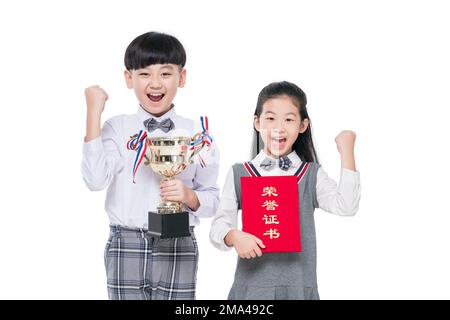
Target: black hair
[
  {"x": 303, "y": 145},
  {"x": 154, "y": 48}
]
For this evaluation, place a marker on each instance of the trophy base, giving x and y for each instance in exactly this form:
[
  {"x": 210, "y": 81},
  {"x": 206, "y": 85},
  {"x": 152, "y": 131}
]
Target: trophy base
[{"x": 169, "y": 225}]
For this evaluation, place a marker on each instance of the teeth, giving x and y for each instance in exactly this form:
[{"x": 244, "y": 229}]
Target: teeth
[{"x": 156, "y": 94}]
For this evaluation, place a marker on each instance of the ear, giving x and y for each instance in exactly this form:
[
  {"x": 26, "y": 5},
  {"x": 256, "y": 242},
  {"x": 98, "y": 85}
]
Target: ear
[
  {"x": 256, "y": 123},
  {"x": 182, "y": 80},
  {"x": 304, "y": 125},
  {"x": 128, "y": 79}
]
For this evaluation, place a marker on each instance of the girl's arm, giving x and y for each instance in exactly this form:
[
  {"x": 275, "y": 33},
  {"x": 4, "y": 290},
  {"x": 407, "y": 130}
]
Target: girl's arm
[
  {"x": 345, "y": 142},
  {"x": 342, "y": 199},
  {"x": 224, "y": 233},
  {"x": 226, "y": 216},
  {"x": 247, "y": 245}
]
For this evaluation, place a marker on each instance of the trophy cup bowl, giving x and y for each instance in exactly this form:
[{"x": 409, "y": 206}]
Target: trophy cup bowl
[{"x": 169, "y": 156}]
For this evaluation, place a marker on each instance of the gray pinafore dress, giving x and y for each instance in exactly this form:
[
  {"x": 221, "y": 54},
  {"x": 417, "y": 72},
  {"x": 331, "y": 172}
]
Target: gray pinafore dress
[{"x": 281, "y": 275}]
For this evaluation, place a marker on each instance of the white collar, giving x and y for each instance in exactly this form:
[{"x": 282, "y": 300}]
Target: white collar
[{"x": 295, "y": 159}]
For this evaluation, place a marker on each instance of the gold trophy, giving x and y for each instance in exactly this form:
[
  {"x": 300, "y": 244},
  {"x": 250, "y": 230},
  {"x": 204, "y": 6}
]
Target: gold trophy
[{"x": 169, "y": 156}]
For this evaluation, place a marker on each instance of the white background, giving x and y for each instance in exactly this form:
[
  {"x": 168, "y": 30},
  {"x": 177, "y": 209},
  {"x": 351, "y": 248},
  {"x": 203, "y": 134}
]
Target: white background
[{"x": 380, "y": 68}]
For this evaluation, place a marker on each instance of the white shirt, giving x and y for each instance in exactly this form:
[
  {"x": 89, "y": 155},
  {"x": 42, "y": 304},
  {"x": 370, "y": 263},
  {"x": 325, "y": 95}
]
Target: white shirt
[
  {"x": 108, "y": 163},
  {"x": 341, "y": 200}
]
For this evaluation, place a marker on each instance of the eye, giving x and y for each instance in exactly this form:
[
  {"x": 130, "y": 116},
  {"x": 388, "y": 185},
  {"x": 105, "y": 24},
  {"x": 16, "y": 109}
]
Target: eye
[
  {"x": 166, "y": 74},
  {"x": 270, "y": 118},
  {"x": 289, "y": 120},
  {"x": 144, "y": 74}
]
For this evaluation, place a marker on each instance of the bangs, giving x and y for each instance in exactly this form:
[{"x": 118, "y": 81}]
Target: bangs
[{"x": 154, "y": 48}]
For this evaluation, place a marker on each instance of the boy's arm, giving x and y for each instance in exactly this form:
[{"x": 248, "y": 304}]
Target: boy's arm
[
  {"x": 101, "y": 155},
  {"x": 205, "y": 186},
  {"x": 95, "y": 101},
  {"x": 202, "y": 200},
  {"x": 343, "y": 199}
]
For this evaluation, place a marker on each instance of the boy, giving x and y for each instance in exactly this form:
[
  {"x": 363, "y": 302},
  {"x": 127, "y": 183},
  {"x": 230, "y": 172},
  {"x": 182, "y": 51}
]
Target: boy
[{"x": 139, "y": 265}]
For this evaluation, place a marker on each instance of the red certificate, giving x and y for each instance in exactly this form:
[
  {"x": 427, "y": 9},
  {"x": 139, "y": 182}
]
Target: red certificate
[{"x": 270, "y": 211}]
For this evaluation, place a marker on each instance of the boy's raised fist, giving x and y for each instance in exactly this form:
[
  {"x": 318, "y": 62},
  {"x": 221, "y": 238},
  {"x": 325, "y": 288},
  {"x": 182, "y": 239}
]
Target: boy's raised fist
[{"x": 95, "y": 99}]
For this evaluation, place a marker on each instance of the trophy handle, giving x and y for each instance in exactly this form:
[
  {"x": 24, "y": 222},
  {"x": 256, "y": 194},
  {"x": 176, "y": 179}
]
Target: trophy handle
[{"x": 196, "y": 150}]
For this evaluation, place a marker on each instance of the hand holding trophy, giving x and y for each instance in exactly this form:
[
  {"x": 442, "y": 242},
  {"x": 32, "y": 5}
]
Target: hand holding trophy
[{"x": 168, "y": 156}]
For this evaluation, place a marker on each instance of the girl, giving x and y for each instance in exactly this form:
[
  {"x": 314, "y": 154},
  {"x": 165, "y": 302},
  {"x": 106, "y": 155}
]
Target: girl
[{"x": 281, "y": 121}]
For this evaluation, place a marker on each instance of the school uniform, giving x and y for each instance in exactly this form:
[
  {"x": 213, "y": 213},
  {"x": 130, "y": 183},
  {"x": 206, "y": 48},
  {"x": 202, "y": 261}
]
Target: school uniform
[
  {"x": 284, "y": 275},
  {"x": 139, "y": 265}
]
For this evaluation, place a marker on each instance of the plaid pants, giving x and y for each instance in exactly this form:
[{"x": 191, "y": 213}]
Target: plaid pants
[{"x": 140, "y": 266}]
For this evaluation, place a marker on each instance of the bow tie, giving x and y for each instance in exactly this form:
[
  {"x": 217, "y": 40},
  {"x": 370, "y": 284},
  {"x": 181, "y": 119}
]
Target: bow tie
[
  {"x": 165, "y": 125},
  {"x": 284, "y": 163}
]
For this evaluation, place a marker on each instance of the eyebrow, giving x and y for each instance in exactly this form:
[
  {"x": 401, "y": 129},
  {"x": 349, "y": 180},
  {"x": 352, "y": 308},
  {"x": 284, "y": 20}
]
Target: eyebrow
[
  {"x": 167, "y": 66},
  {"x": 286, "y": 114}
]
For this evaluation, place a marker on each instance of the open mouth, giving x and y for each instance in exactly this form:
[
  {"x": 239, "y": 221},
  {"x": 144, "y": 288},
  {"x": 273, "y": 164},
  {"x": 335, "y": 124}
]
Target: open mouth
[
  {"x": 155, "y": 97},
  {"x": 278, "y": 143},
  {"x": 278, "y": 140}
]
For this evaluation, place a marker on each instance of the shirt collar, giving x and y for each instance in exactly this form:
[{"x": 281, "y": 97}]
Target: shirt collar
[
  {"x": 144, "y": 115},
  {"x": 295, "y": 159}
]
